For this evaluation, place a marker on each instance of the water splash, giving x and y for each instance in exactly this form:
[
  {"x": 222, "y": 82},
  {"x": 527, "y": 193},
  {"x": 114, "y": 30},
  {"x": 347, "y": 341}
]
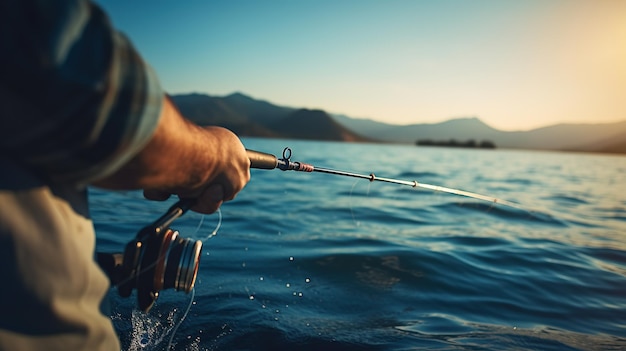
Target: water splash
[{"x": 152, "y": 331}]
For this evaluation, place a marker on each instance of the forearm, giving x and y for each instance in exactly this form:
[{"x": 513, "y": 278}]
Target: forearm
[
  {"x": 158, "y": 164},
  {"x": 182, "y": 158}
]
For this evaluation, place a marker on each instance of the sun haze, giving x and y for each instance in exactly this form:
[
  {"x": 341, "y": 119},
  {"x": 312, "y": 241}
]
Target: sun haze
[{"x": 516, "y": 65}]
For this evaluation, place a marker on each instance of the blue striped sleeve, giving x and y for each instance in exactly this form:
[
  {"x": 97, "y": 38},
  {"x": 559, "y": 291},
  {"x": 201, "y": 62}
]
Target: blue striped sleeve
[{"x": 76, "y": 99}]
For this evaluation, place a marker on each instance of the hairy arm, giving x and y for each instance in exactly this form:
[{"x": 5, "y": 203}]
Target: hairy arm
[{"x": 209, "y": 164}]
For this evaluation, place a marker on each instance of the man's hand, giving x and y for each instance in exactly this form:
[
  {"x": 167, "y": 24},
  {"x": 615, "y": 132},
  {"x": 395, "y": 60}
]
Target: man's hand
[{"x": 208, "y": 164}]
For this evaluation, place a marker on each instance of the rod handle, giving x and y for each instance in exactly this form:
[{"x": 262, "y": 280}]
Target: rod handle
[{"x": 261, "y": 160}]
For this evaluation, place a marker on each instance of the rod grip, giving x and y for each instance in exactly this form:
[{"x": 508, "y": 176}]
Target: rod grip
[{"x": 262, "y": 160}]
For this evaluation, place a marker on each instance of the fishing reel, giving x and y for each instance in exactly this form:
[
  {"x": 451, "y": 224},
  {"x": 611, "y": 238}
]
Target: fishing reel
[{"x": 157, "y": 259}]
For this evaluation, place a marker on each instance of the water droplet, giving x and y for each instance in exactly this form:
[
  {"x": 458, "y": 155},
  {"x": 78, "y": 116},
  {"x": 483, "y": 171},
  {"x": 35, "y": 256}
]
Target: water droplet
[
  {"x": 307, "y": 280},
  {"x": 251, "y": 297},
  {"x": 243, "y": 264},
  {"x": 295, "y": 293},
  {"x": 277, "y": 311},
  {"x": 261, "y": 278},
  {"x": 288, "y": 285},
  {"x": 144, "y": 340},
  {"x": 299, "y": 294},
  {"x": 290, "y": 258}
]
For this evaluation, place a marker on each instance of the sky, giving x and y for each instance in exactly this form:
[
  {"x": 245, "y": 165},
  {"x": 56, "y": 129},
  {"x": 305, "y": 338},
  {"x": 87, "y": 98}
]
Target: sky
[{"x": 516, "y": 65}]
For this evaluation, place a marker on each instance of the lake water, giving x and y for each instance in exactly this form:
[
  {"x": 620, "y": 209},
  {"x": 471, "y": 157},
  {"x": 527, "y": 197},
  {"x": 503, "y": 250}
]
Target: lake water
[{"x": 311, "y": 261}]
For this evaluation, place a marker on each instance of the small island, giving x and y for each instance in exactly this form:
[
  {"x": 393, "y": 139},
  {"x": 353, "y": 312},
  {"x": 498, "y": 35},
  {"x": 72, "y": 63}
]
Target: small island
[{"x": 485, "y": 144}]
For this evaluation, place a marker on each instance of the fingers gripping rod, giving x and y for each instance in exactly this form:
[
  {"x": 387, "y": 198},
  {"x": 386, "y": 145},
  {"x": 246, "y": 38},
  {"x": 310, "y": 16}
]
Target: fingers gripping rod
[{"x": 267, "y": 161}]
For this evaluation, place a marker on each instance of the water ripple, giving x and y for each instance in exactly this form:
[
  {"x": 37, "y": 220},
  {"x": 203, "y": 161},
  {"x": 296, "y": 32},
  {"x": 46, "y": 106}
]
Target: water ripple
[{"x": 316, "y": 262}]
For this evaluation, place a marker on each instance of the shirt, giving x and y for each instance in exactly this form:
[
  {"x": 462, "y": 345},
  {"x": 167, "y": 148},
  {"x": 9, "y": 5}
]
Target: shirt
[{"x": 76, "y": 100}]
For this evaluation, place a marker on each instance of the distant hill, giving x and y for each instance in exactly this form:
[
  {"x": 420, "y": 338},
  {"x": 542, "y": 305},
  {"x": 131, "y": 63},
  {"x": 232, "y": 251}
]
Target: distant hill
[
  {"x": 315, "y": 125},
  {"x": 615, "y": 148},
  {"x": 566, "y": 137},
  {"x": 616, "y": 144},
  {"x": 247, "y": 116},
  {"x": 250, "y": 117}
]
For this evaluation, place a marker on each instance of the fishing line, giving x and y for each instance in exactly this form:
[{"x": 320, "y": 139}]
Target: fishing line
[
  {"x": 193, "y": 294},
  {"x": 215, "y": 230},
  {"x": 369, "y": 186},
  {"x": 193, "y": 291}
]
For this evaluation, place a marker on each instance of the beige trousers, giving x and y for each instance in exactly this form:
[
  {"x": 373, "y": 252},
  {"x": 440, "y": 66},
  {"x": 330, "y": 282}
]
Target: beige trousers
[{"x": 50, "y": 286}]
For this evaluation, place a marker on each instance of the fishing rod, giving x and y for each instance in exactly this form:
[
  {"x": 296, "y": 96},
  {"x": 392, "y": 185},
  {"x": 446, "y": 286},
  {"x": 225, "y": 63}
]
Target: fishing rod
[{"x": 261, "y": 160}]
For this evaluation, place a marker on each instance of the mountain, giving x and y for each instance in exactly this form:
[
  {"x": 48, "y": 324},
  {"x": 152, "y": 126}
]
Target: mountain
[
  {"x": 459, "y": 129},
  {"x": 247, "y": 116},
  {"x": 258, "y": 111},
  {"x": 567, "y": 137},
  {"x": 615, "y": 144},
  {"x": 250, "y": 117},
  {"x": 570, "y": 137},
  {"x": 316, "y": 125},
  {"x": 362, "y": 126},
  {"x": 616, "y": 148}
]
